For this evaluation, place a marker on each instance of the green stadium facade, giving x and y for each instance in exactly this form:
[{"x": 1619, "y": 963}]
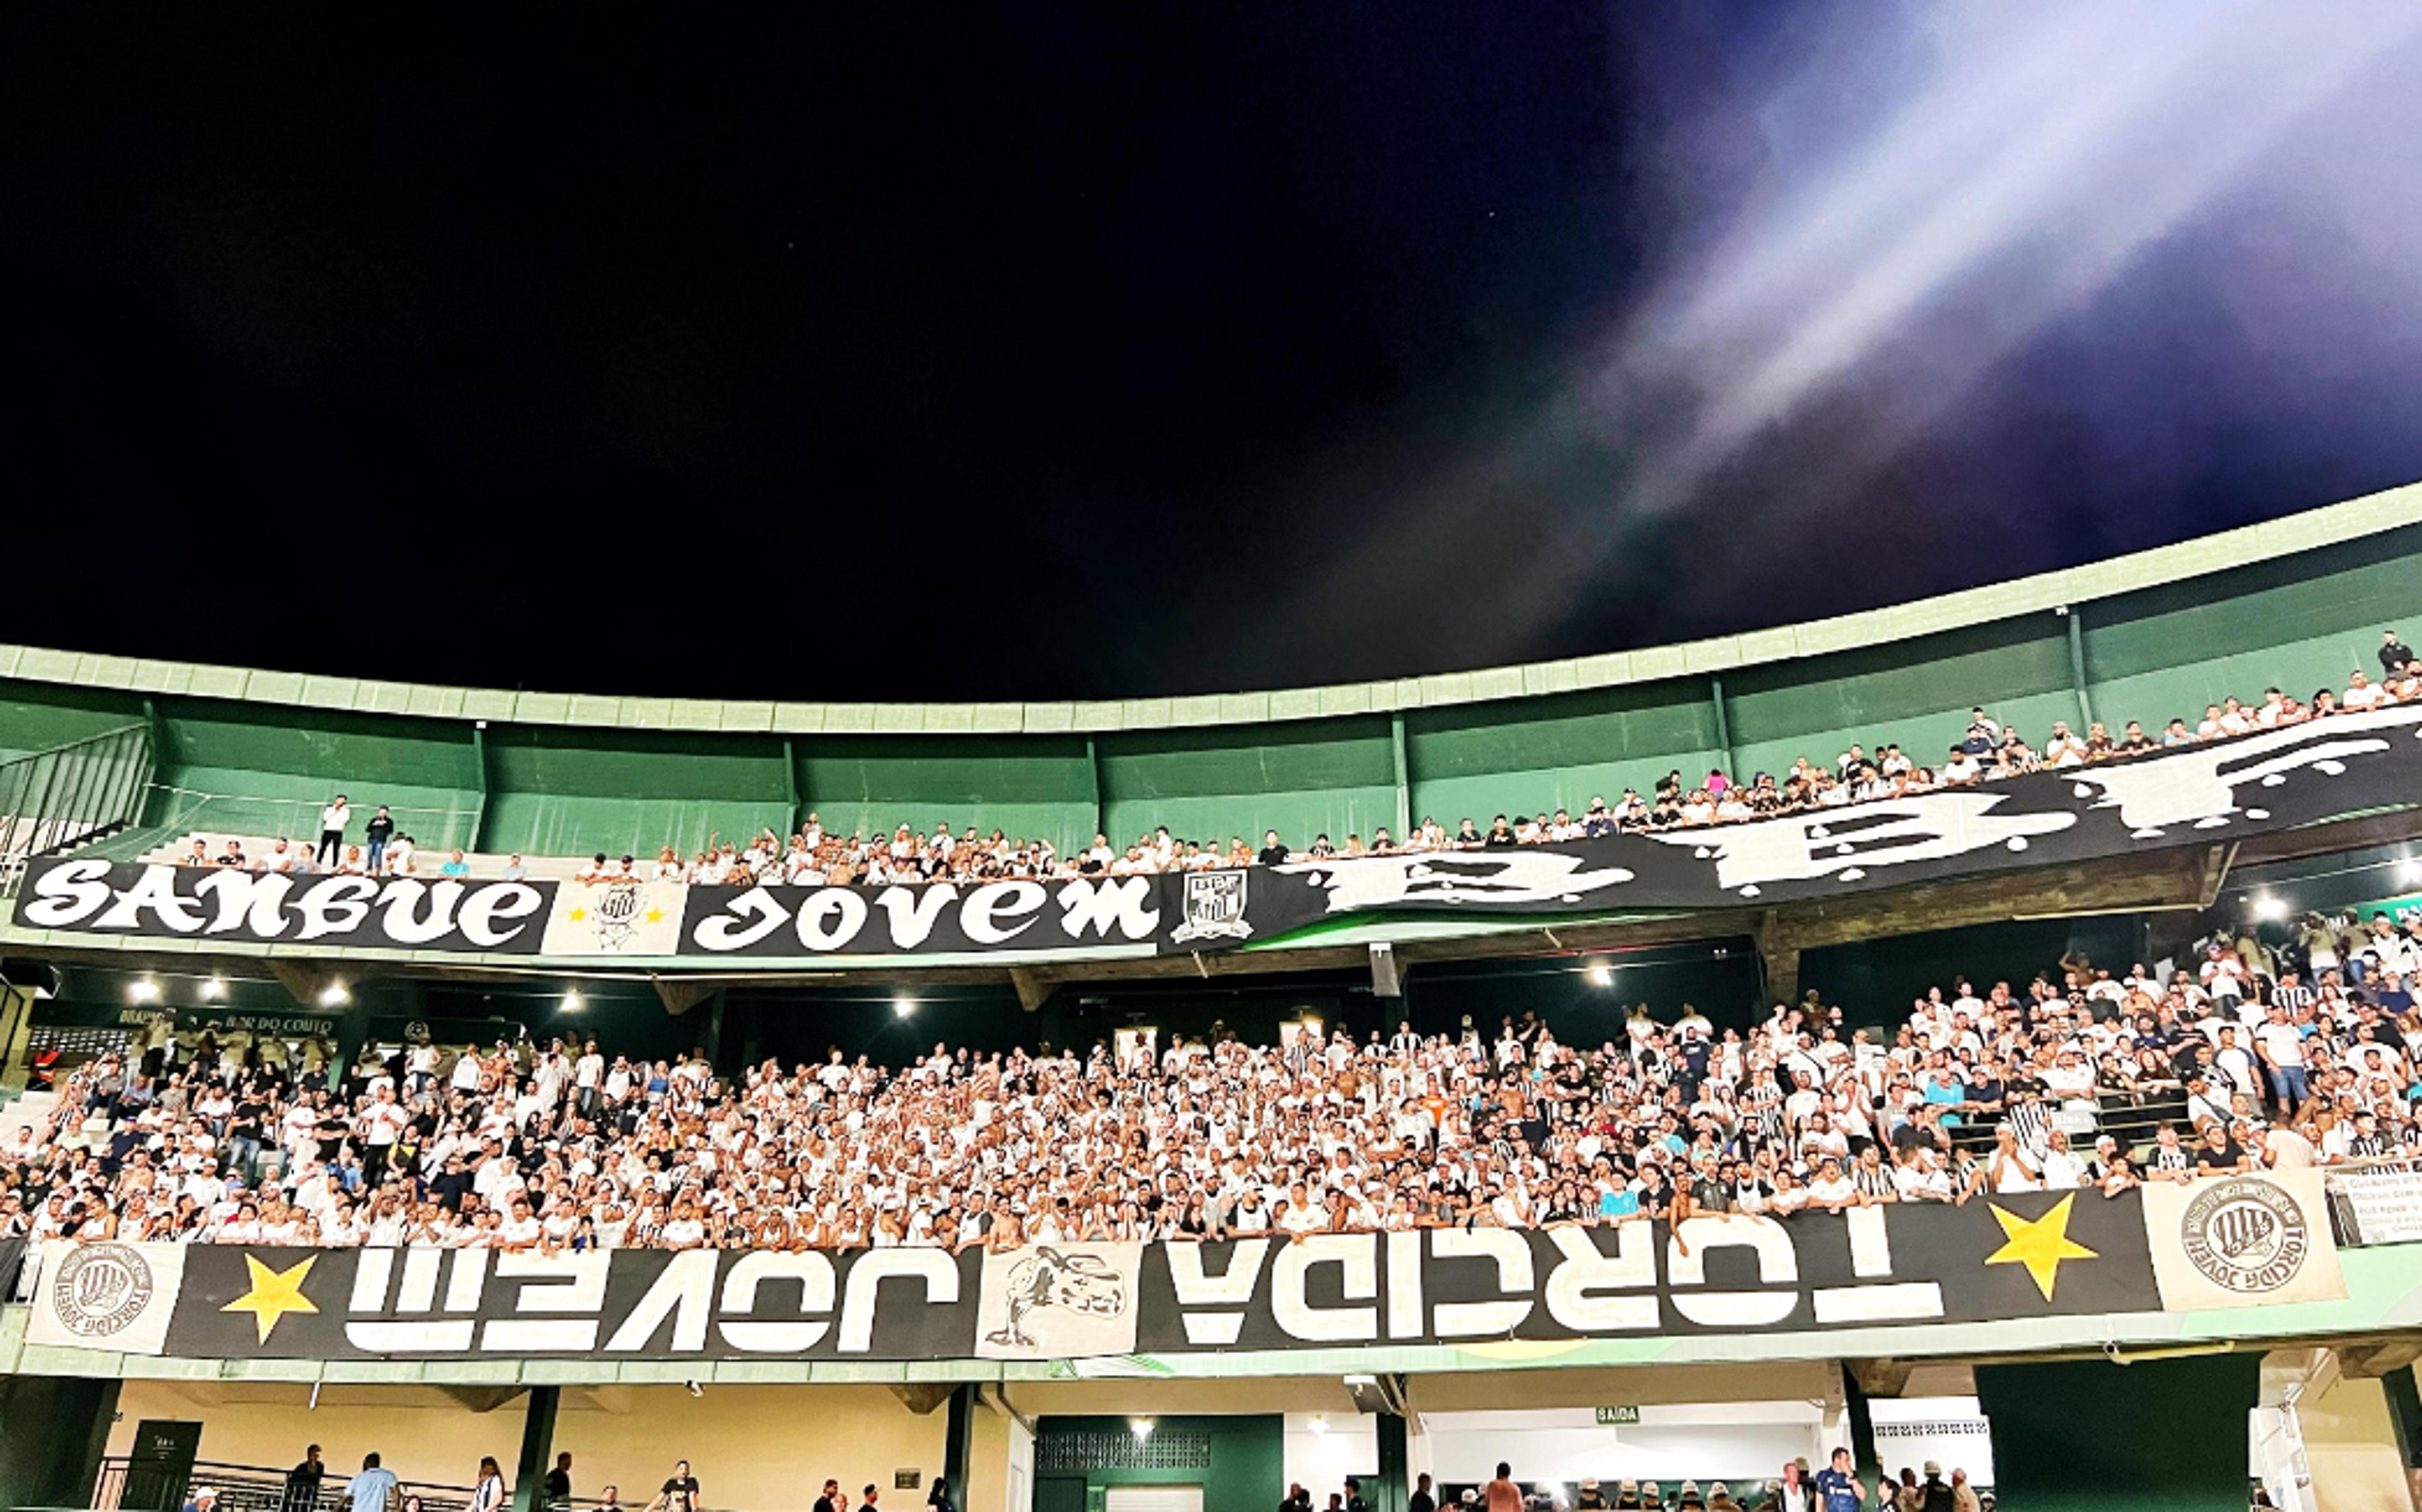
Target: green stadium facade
[{"x": 117, "y": 760}]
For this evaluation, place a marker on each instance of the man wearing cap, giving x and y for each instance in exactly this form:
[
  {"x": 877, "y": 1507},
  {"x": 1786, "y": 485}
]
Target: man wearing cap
[
  {"x": 1837, "y": 1489},
  {"x": 1589, "y": 1496},
  {"x": 1934, "y": 1493}
]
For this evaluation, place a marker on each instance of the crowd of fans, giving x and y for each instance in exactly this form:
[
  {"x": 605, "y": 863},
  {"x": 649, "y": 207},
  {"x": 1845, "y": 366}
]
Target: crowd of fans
[
  {"x": 814, "y": 855},
  {"x": 2251, "y": 1055}
]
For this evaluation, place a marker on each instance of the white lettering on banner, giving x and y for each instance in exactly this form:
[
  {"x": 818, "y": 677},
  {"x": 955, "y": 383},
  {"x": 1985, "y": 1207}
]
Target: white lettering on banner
[
  {"x": 421, "y": 1265},
  {"x": 1104, "y": 906},
  {"x": 1849, "y": 842},
  {"x": 684, "y": 1287},
  {"x": 334, "y": 906},
  {"x": 1584, "y": 1271},
  {"x": 995, "y": 901},
  {"x": 1405, "y": 1310},
  {"x": 1230, "y": 1290},
  {"x": 398, "y": 903},
  {"x": 1778, "y": 1263},
  {"x": 1357, "y": 1258},
  {"x": 254, "y": 901},
  {"x": 372, "y": 1272},
  {"x": 67, "y": 894},
  {"x": 814, "y": 1274},
  {"x": 154, "y": 891},
  {"x": 1549, "y": 878},
  {"x": 1870, "y": 1242},
  {"x": 911, "y": 911},
  {"x": 580, "y": 1289},
  {"x": 467, "y": 1281},
  {"x": 744, "y": 920},
  {"x": 490, "y": 907},
  {"x": 830, "y": 918},
  {"x": 2192, "y": 783},
  {"x": 1512, "y": 1253},
  {"x": 939, "y": 1272}
]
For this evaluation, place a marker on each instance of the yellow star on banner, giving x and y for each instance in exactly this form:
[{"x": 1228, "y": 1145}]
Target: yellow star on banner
[
  {"x": 2039, "y": 1245},
  {"x": 274, "y": 1294},
  {"x": 578, "y": 914},
  {"x": 656, "y": 915}
]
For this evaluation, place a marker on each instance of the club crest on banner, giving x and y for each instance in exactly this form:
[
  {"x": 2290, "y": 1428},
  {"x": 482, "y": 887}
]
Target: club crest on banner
[
  {"x": 621, "y": 917},
  {"x": 107, "y": 1296},
  {"x": 2242, "y": 1241},
  {"x": 2246, "y": 1236},
  {"x": 99, "y": 1289},
  {"x": 1213, "y": 907}
]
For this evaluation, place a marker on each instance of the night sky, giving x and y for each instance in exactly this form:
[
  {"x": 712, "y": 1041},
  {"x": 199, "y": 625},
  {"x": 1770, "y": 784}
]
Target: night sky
[{"x": 1041, "y": 351}]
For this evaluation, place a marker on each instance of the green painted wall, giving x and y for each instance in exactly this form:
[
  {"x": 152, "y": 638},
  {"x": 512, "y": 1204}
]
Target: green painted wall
[
  {"x": 1248, "y": 1466},
  {"x": 2160, "y": 1436},
  {"x": 2303, "y": 624},
  {"x": 1336, "y": 776},
  {"x": 1557, "y": 752},
  {"x": 35, "y": 716},
  {"x": 573, "y": 792},
  {"x": 258, "y": 769},
  {"x": 670, "y": 770},
  {"x": 1033, "y": 787},
  {"x": 2018, "y": 667},
  {"x": 53, "y": 1429}
]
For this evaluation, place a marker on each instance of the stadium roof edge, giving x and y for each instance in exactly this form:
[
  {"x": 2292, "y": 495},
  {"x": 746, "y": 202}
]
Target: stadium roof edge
[{"x": 2304, "y": 531}]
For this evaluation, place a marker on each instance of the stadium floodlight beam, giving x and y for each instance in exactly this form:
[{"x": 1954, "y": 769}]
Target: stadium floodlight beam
[
  {"x": 1599, "y": 973},
  {"x": 903, "y": 1004},
  {"x": 2270, "y": 908},
  {"x": 334, "y": 994},
  {"x": 142, "y": 990},
  {"x": 1139, "y": 1427},
  {"x": 215, "y": 988},
  {"x": 572, "y": 1001}
]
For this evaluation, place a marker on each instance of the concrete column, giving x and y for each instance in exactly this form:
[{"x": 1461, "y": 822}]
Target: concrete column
[
  {"x": 53, "y": 1429},
  {"x": 538, "y": 1449}
]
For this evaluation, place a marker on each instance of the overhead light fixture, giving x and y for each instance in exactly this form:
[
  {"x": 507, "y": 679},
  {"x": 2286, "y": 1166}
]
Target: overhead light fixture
[
  {"x": 2270, "y": 907},
  {"x": 574, "y": 1002},
  {"x": 1599, "y": 973},
  {"x": 1319, "y": 1423},
  {"x": 1362, "y": 1380},
  {"x": 903, "y": 1006},
  {"x": 332, "y": 994},
  {"x": 143, "y": 989},
  {"x": 1139, "y": 1427},
  {"x": 215, "y": 988},
  {"x": 2409, "y": 872}
]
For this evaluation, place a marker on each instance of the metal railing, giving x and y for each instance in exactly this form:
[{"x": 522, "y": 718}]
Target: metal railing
[
  {"x": 123, "y": 1487},
  {"x": 124, "y": 1483},
  {"x": 51, "y": 800}
]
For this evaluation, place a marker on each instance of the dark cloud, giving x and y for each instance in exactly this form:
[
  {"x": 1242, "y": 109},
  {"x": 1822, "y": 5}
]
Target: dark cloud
[{"x": 1068, "y": 350}]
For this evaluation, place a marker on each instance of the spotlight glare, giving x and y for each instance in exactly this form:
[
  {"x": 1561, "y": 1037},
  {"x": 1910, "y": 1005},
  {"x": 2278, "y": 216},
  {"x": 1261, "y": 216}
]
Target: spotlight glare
[
  {"x": 574, "y": 1002},
  {"x": 215, "y": 988},
  {"x": 334, "y": 994},
  {"x": 1139, "y": 1427},
  {"x": 2270, "y": 907},
  {"x": 903, "y": 1006},
  {"x": 143, "y": 990}
]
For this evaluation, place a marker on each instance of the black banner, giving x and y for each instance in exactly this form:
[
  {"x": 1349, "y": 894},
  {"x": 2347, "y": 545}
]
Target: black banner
[
  {"x": 2003, "y": 1258},
  {"x": 210, "y": 903},
  {"x": 2218, "y": 790}
]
